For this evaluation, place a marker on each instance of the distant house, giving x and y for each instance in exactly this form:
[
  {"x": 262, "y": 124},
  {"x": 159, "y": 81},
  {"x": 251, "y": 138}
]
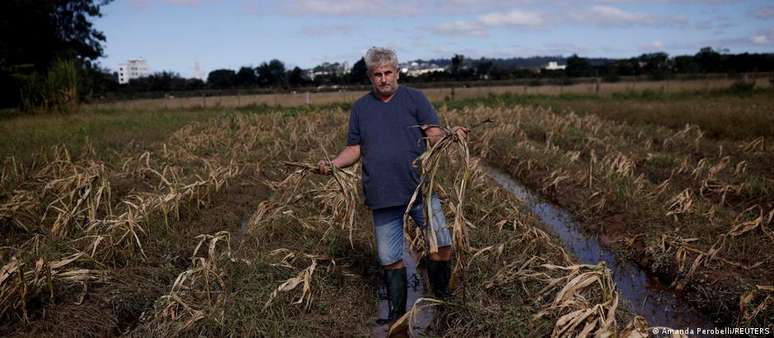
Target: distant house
[
  {"x": 553, "y": 65},
  {"x": 418, "y": 68},
  {"x": 132, "y": 69},
  {"x": 329, "y": 69}
]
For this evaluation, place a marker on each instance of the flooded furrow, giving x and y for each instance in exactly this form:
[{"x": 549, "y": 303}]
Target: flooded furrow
[{"x": 643, "y": 293}]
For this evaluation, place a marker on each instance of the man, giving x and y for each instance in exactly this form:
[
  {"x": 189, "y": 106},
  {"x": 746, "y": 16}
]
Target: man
[{"x": 386, "y": 131}]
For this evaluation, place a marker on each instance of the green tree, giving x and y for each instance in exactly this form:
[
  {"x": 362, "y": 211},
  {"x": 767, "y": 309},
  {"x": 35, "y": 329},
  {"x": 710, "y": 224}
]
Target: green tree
[
  {"x": 278, "y": 71},
  {"x": 271, "y": 74},
  {"x": 657, "y": 65},
  {"x": 57, "y": 91},
  {"x": 709, "y": 60},
  {"x": 359, "y": 72},
  {"x": 96, "y": 81},
  {"x": 483, "y": 68},
  {"x": 578, "y": 67},
  {"x": 164, "y": 81},
  {"x": 221, "y": 78},
  {"x": 35, "y": 34},
  {"x": 456, "y": 64},
  {"x": 246, "y": 77},
  {"x": 296, "y": 78},
  {"x": 265, "y": 75},
  {"x": 686, "y": 64}
]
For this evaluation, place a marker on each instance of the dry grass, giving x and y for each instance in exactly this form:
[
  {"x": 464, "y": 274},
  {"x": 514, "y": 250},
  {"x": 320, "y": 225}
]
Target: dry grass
[
  {"x": 18, "y": 284},
  {"x": 197, "y": 293},
  {"x": 633, "y": 184},
  {"x": 301, "y": 262},
  {"x": 429, "y": 163}
]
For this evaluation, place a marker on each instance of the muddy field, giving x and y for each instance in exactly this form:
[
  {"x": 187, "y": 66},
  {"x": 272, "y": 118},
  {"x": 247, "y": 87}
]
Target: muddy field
[{"x": 218, "y": 229}]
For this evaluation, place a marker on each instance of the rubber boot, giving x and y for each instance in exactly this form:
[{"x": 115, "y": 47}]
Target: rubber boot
[
  {"x": 439, "y": 274},
  {"x": 395, "y": 279}
]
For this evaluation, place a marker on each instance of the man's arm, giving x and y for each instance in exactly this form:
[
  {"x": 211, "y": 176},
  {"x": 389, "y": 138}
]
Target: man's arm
[
  {"x": 435, "y": 134},
  {"x": 347, "y": 157}
]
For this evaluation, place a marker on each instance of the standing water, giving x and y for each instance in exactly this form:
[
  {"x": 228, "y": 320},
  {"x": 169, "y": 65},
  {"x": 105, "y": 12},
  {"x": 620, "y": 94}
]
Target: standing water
[{"x": 643, "y": 294}]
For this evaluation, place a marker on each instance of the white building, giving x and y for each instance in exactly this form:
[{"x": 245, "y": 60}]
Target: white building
[
  {"x": 553, "y": 65},
  {"x": 132, "y": 69},
  {"x": 415, "y": 68}
]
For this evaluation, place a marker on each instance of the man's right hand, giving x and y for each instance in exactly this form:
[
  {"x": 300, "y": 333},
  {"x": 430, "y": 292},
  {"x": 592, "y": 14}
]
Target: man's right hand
[
  {"x": 346, "y": 158},
  {"x": 324, "y": 167}
]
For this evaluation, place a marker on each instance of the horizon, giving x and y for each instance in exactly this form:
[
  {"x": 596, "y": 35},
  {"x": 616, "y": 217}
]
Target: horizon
[{"x": 174, "y": 35}]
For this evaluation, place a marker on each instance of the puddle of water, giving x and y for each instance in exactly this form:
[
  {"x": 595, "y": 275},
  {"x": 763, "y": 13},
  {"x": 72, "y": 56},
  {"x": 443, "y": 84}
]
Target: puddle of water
[
  {"x": 415, "y": 290},
  {"x": 643, "y": 294}
]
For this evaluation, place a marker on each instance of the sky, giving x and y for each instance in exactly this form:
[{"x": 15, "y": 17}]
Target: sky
[{"x": 177, "y": 35}]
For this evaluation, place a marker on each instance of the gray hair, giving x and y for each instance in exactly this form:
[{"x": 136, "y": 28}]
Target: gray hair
[{"x": 377, "y": 56}]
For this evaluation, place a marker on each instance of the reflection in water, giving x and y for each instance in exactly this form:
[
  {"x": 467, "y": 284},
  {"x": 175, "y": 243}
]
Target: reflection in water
[{"x": 642, "y": 293}]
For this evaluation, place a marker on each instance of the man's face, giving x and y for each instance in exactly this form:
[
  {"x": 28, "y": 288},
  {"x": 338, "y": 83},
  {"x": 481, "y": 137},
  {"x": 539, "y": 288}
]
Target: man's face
[{"x": 384, "y": 79}]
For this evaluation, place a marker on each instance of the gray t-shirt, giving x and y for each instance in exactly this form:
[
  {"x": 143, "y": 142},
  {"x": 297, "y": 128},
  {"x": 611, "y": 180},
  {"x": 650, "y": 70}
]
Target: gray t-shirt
[{"x": 389, "y": 142}]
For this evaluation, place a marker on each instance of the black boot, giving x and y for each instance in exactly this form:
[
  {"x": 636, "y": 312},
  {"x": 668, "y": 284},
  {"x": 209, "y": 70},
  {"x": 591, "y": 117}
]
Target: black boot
[
  {"x": 395, "y": 279},
  {"x": 439, "y": 273}
]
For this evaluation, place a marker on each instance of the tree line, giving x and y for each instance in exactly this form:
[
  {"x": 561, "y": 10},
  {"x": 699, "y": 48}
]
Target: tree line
[
  {"x": 273, "y": 74},
  {"x": 268, "y": 75},
  {"x": 48, "y": 53}
]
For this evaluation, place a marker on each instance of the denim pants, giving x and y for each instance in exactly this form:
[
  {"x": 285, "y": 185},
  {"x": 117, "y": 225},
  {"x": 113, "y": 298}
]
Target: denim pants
[{"x": 388, "y": 229}]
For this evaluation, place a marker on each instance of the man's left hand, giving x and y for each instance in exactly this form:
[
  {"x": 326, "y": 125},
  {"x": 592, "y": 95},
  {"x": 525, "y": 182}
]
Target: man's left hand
[{"x": 462, "y": 132}]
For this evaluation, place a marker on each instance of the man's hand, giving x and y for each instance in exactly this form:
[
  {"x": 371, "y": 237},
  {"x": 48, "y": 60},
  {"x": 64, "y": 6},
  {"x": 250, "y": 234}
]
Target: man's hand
[
  {"x": 346, "y": 158},
  {"x": 324, "y": 167},
  {"x": 432, "y": 133},
  {"x": 462, "y": 132}
]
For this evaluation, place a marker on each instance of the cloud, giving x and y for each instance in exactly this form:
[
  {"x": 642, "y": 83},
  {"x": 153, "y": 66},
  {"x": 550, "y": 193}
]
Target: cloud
[
  {"x": 480, "y": 25},
  {"x": 475, "y": 6},
  {"x": 615, "y": 16},
  {"x": 609, "y": 16},
  {"x": 512, "y": 18},
  {"x": 760, "y": 40},
  {"x": 351, "y": 8},
  {"x": 656, "y": 45},
  {"x": 764, "y": 38}
]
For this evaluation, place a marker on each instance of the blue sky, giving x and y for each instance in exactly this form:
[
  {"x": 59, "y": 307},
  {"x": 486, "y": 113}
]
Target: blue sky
[{"x": 174, "y": 35}]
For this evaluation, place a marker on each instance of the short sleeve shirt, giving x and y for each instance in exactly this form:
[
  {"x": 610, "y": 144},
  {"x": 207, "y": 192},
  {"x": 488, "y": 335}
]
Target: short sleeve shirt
[{"x": 390, "y": 140}]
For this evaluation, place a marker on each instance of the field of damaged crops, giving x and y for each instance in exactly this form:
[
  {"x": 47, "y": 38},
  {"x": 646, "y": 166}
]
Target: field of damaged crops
[{"x": 214, "y": 223}]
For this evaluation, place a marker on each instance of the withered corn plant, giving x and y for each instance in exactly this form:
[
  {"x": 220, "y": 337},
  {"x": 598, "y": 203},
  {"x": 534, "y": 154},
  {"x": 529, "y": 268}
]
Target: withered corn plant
[{"x": 634, "y": 184}]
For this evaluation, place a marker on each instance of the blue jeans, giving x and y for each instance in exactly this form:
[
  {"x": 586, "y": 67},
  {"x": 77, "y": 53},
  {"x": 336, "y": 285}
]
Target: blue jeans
[{"x": 388, "y": 229}]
